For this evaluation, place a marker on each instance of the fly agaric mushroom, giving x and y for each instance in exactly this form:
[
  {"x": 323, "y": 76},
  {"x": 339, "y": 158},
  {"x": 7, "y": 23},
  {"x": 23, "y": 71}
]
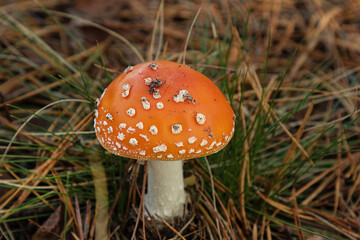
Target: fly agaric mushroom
[{"x": 163, "y": 112}]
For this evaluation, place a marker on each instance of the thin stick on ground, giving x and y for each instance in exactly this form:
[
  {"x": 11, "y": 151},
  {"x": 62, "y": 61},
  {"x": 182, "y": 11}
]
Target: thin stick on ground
[
  {"x": 171, "y": 227},
  {"x": 213, "y": 195},
  {"x": 141, "y": 211}
]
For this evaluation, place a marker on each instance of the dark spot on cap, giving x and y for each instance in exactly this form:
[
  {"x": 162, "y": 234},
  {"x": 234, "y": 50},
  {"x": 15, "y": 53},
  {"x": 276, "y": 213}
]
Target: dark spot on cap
[
  {"x": 153, "y": 65},
  {"x": 209, "y": 130},
  {"x": 155, "y": 84}
]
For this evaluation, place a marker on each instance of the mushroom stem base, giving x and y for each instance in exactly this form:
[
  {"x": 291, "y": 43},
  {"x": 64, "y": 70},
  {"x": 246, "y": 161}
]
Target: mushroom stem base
[{"x": 165, "y": 189}]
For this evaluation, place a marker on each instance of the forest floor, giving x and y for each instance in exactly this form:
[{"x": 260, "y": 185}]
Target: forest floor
[{"x": 289, "y": 68}]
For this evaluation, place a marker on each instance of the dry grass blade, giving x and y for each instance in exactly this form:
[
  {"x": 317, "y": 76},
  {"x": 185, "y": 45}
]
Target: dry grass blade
[
  {"x": 292, "y": 150},
  {"x": 313, "y": 37},
  {"x": 8, "y": 124},
  {"x": 171, "y": 227},
  {"x": 284, "y": 208},
  {"x": 36, "y": 92},
  {"x": 339, "y": 229},
  {"x": 189, "y": 34},
  {"x": 64, "y": 197},
  {"x": 34, "y": 115},
  {"x": 234, "y": 216},
  {"x": 46, "y": 166},
  {"x": 209, "y": 221},
  {"x": 184, "y": 227},
  {"x": 221, "y": 230},
  {"x": 289, "y": 69},
  {"x": 78, "y": 219},
  {"x": 158, "y": 23},
  {"x": 266, "y": 108},
  {"x": 201, "y": 170},
  {"x": 39, "y": 41},
  {"x": 109, "y": 31},
  {"x": 141, "y": 212},
  {"x": 292, "y": 138},
  {"x": 16, "y": 81},
  {"x": 213, "y": 195},
  {"x": 228, "y": 225},
  {"x": 297, "y": 220}
]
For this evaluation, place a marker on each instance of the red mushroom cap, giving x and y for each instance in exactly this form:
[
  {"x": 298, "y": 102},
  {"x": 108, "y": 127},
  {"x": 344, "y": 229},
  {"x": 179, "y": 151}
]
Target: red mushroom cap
[{"x": 162, "y": 110}]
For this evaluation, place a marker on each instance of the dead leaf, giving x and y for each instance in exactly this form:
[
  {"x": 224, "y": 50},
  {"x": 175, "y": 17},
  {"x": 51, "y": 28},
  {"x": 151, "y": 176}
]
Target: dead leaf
[{"x": 52, "y": 227}]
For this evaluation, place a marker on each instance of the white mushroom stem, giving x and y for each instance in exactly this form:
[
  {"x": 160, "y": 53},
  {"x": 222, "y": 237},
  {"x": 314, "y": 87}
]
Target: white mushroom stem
[{"x": 165, "y": 189}]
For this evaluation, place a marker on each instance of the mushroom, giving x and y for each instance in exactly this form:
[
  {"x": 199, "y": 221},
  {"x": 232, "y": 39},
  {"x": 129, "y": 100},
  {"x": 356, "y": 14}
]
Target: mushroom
[{"x": 163, "y": 112}]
